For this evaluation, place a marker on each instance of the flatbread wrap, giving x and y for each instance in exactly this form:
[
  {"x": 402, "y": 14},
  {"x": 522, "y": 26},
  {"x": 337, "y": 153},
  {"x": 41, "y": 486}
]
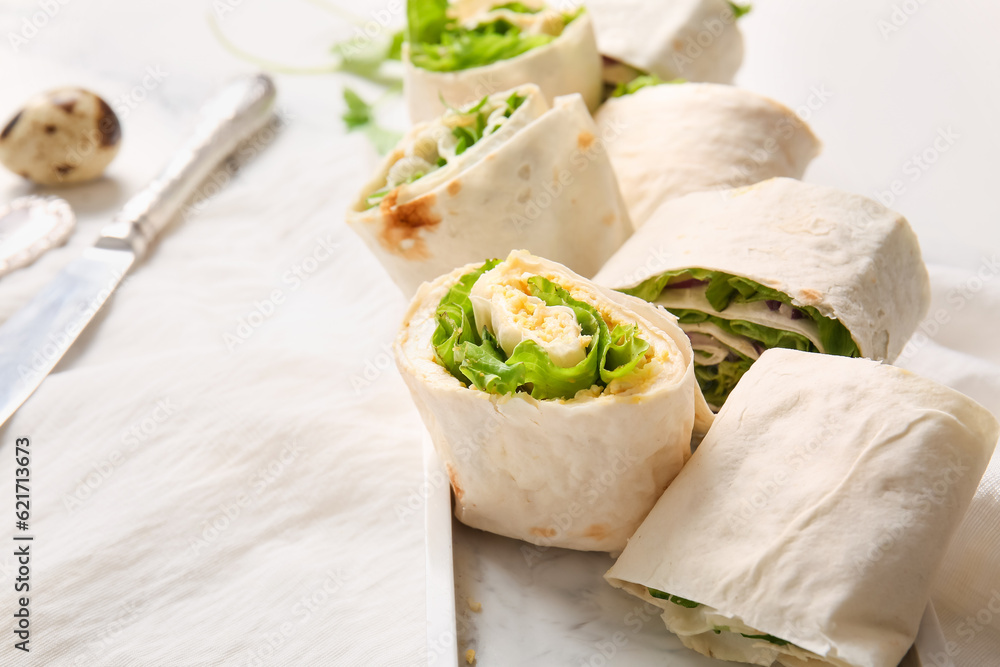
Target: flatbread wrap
[
  {"x": 506, "y": 172},
  {"x": 458, "y": 52},
  {"x": 695, "y": 40},
  {"x": 808, "y": 526},
  {"x": 560, "y": 409},
  {"x": 671, "y": 139},
  {"x": 777, "y": 264}
]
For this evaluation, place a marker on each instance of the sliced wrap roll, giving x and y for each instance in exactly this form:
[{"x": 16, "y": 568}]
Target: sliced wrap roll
[
  {"x": 561, "y": 409},
  {"x": 808, "y": 526},
  {"x": 460, "y": 51},
  {"x": 777, "y": 264},
  {"x": 696, "y": 40},
  {"x": 669, "y": 140},
  {"x": 531, "y": 177}
]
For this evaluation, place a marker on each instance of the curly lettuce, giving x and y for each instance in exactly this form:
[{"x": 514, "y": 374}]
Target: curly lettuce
[
  {"x": 439, "y": 44},
  {"x": 722, "y": 290},
  {"x": 725, "y": 289},
  {"x": 476, "y": 359},
  {"x": 638, "y": 83}
]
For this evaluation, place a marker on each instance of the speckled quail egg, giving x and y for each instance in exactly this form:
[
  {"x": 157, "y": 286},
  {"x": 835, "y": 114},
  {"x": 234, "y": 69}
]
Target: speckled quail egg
[{"x": 62, "y": 136}]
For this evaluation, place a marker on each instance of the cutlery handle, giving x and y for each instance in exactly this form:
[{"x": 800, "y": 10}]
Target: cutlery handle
[{"x": 231, "y": 116}]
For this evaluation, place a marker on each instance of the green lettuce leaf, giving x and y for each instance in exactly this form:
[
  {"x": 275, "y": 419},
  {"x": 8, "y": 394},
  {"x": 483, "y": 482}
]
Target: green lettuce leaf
[
  {"x": 513, "y": 103},
  {"x": 689, "y": 604},
  {"x": 518, "y": 7},
  {"x": 546, "y": 379},
  {"x": 624, "y": 352},
  {"x": 725, "y": 289},
  {"x": 638, "y": 83},
  {"x": 456, "y": 320},
  {"x": 440, "y": 44},
  {"x": 718, "y": 381},
  {"x": 485, "y": 368},
  {"x": 426, "y": 20},
  {"x": 475, "y": 357}
]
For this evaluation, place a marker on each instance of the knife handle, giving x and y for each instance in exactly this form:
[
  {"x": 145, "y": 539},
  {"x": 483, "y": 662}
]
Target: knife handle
[{"x": 231, "y": 116}]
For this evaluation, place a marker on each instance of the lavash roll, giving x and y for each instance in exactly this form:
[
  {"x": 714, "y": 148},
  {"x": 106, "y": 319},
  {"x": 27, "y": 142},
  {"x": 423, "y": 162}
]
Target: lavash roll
[
  {"x": 542, "y": 182},
  {"x": 695, "y": 40},
  {"x": 816, "y": 512},
  {"x": 668, "y": 140},
  {"x": 578, "y": 473},
  {"x": 568, "y": 64},
  {"x": 847, "y": 257}
]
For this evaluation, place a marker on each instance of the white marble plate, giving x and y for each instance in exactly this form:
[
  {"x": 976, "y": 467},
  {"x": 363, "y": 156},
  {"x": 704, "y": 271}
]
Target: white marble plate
[{"x": 517, "y": 604}]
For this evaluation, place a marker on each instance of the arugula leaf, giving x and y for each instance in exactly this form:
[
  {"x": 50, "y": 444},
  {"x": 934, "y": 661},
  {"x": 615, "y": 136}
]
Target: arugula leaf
[
  {"x": 739, "y": 10},
  {"x": 689, "y": 604},
  {"x": 359, "y": 115}
]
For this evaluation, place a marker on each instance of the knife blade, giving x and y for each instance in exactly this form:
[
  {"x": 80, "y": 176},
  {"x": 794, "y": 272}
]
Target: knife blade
[{"x": 35, "y": 338}]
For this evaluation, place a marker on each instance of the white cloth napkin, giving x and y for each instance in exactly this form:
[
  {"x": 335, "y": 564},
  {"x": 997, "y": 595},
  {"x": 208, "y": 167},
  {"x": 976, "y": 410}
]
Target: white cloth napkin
[
  {"x": 226, "y": 470},
  {"x": 201, "y": 502},
  {"x": 957, "y": 345}
]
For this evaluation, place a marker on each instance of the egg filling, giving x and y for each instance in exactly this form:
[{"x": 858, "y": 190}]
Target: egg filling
[
  {"x": 444, "y": 140},
  {"x": 505, "y": 332}
]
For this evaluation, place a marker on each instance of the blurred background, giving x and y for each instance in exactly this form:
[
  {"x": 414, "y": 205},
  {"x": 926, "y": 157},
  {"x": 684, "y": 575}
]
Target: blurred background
[{"x": 880, "y": 82}]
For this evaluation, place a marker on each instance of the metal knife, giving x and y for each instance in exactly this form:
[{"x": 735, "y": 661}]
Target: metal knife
[{"x": 34, "y": 339}]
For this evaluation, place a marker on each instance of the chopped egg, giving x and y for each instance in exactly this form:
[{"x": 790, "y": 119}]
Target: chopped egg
[
  {"x": 504, "y": 307},
  {"x": 470, "y": 656}
]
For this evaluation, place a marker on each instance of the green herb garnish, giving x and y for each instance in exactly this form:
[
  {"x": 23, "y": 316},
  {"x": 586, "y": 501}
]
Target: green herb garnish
[
  {"x": 739, "y": 10},
  {"x": 359, "y": 115}
]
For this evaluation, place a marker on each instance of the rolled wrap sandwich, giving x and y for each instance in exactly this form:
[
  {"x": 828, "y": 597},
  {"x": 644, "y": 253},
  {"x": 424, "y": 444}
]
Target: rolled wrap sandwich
[
  {"x": 696, "y": 40},
  {"x": 668, "y": 140},
  {"x": 777, "y": 264},
  {"x": 460, "y": 51},
  {"x": 507, "y": 172},
  {"x": 561, "y": 409},
  {"x": 809, "y": 525}
]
